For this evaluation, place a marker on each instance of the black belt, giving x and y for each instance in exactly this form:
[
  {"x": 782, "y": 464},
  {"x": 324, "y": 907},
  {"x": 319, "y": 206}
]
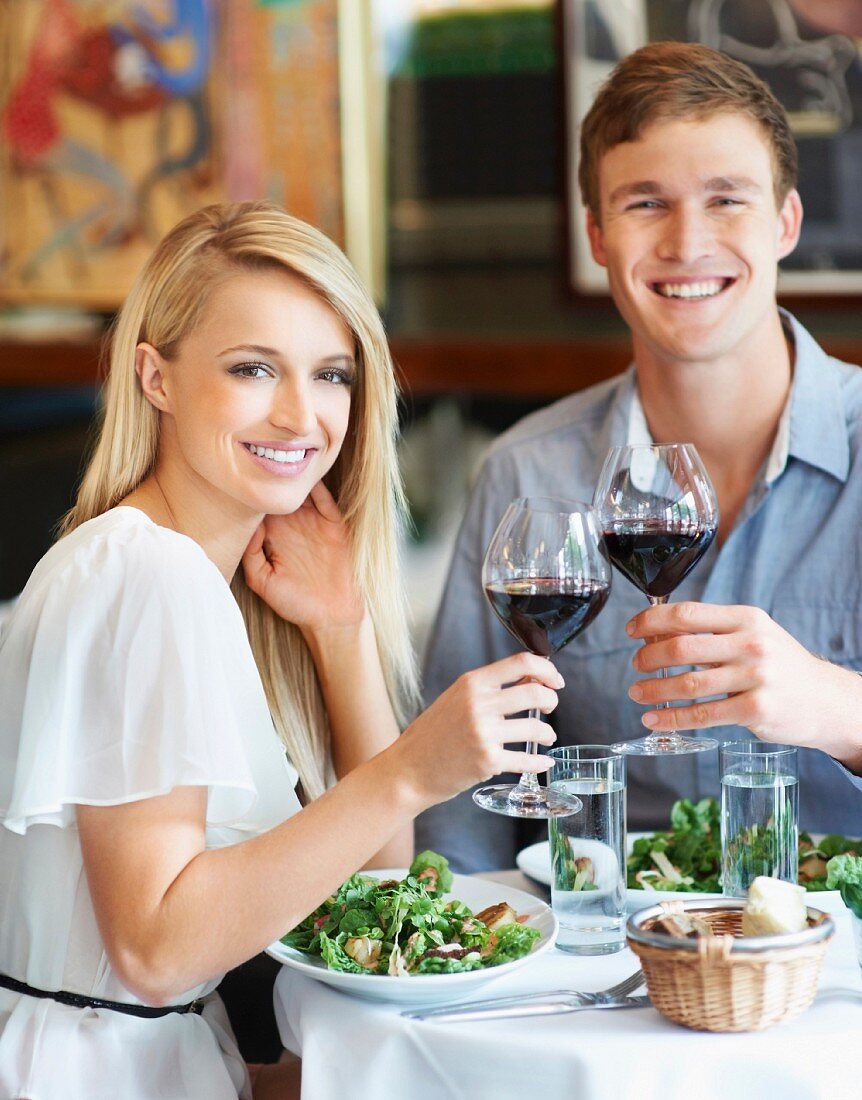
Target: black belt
[{"x": 78, "y": 1000}]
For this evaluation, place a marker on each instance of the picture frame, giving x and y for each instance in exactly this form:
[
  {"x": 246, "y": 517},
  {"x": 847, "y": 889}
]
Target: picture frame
[
  {"x": 119, "y": 120},
  {"x": 814, "y": 69}
]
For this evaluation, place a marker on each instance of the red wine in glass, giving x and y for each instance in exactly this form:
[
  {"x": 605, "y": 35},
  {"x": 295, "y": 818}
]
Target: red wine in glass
[
  {"x": 546, "y": 613},
  {"x": 659, "y": 515},
  {"x": 654, "y": 555},
  {"x": 546, "y": 575}
]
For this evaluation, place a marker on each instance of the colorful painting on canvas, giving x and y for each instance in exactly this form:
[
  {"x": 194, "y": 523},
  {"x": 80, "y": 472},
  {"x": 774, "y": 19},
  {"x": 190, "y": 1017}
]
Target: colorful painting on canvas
[{"x": 120, "y": 117}]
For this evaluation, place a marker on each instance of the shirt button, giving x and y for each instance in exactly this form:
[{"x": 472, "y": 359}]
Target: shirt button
[{"x": 836, "y": 642}]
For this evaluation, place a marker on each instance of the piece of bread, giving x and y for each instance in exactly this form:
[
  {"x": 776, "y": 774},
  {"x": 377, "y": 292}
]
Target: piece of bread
[{"x": 773, "y": 907}]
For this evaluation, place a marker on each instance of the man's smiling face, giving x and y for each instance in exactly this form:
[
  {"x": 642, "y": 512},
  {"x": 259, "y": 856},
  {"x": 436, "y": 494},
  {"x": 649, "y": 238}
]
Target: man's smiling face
[{"x": 691, "y": 236}]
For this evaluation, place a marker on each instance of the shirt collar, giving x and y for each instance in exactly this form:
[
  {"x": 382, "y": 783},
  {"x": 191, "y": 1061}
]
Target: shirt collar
[
  {"x": 812, "y": 427},
  {"x": 638, "y": 432},
  {"x": 817, "y": 421},
  {"x": 617, "y": 424}
]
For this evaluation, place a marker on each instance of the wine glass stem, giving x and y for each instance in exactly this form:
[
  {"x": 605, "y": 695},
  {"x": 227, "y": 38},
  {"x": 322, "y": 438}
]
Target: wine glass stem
[
  {"x": 659, "y": 738},
  {"x": 528, "y": 783},
  {"x": 528, "y": 792}
]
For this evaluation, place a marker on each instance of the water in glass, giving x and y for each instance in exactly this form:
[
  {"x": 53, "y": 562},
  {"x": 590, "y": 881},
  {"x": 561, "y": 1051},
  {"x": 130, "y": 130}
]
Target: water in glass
[
  {"x": 759, "y": 829},
  {"x": 588, "y": 891}
]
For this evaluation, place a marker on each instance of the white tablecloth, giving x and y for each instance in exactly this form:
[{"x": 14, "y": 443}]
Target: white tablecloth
[{"x": 353, "y": 1049}]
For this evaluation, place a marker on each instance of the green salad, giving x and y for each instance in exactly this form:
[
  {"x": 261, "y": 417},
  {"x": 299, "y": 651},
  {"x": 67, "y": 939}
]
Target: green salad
[
  {"x": 687, "y": 857},
  {"x": 844, "y": 873},
  {"x": 408, "y": 927}
]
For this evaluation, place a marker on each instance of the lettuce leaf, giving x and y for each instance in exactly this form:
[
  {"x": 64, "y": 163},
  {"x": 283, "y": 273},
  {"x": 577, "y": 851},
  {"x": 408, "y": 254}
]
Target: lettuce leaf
[
  {"x": 844, "y": 873},
  {"x": 692, "y": 846},
  {"x": 836, "y": 845},
  {"x": 359, "y": 922},
  {"x": 513, "y": 942},
  {"x": 432, "y": 870},
  {"x": 336, "y": 958},
  {"x": 436, "y": 965}
]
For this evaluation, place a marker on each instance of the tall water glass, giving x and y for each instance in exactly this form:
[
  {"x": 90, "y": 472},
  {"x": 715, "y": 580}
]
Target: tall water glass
[
  {"x": 588, "y": 850},
  {"x": 759, "y": 814}
]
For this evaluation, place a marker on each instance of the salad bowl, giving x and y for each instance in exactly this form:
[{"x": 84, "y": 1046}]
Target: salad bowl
[{"x": 428, "y": 989}]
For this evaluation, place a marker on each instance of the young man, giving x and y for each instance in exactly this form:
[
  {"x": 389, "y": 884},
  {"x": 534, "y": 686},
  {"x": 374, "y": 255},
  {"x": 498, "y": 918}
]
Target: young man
[{"x": 688, "y": 173}]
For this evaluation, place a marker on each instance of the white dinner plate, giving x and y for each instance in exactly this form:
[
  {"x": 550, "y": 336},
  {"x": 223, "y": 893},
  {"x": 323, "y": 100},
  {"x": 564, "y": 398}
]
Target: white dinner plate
[
  {"x": 535, "y": 863},
  {"x": 427, "y": 989}
]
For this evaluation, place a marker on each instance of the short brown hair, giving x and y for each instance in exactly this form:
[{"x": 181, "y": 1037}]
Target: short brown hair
[{"x": 674, "y": 80}]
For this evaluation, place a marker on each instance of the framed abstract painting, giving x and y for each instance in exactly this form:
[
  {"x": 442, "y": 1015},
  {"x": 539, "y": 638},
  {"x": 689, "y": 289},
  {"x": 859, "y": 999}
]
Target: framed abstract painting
[{"x": 119, "y": 118}]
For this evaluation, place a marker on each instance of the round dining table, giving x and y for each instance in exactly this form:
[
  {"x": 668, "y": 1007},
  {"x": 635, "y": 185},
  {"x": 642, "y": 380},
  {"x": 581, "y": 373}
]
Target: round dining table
[{"x": 356, "y": 1049}]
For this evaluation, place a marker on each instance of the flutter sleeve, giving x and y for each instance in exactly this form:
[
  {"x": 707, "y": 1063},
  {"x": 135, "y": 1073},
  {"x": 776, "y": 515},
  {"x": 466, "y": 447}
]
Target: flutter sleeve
[{"x": 127, "y": 673}]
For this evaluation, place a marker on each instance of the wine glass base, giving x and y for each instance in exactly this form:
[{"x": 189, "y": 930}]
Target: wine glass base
[
  {"x": 665, "y": 745},
  {"x": 512, "y": 801}
]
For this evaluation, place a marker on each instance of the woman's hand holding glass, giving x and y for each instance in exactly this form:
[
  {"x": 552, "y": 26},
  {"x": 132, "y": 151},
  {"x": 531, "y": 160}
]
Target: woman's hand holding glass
[
  {"x": 302, "y": 565},
  {"x": 461, "y": 739}
]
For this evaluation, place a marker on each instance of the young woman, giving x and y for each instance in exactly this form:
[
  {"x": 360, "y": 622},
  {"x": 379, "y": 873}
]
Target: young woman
[{"x": 225, "y": 590}]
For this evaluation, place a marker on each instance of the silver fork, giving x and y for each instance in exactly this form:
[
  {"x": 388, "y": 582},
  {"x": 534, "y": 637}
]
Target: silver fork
[
  {"x": 555, "y": 1000},
  {"x": 615, "y": 992}
]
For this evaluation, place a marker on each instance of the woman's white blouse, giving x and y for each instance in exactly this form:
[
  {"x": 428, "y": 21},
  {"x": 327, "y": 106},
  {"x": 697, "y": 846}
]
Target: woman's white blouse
[{"x": 125, "y": 671}]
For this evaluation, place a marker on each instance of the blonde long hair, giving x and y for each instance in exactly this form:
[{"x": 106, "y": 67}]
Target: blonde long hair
[{"x": 163, "y": 307}]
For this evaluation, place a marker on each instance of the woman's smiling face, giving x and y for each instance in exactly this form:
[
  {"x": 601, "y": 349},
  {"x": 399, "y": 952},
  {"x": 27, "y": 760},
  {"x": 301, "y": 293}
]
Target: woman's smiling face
[{"x": 257, "y": 398}]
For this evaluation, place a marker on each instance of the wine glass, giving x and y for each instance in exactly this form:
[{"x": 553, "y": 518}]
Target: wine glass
[
  {"x": 546, "y": 575},
  {"x": 659, "y": 514}
]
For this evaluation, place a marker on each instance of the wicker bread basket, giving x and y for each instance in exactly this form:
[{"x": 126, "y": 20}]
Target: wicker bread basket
[{"x": 728, "y": 982}]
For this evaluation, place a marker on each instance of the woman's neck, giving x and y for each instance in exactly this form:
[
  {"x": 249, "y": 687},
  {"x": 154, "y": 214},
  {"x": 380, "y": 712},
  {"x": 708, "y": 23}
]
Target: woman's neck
[{"x": 171, "y": 501}]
